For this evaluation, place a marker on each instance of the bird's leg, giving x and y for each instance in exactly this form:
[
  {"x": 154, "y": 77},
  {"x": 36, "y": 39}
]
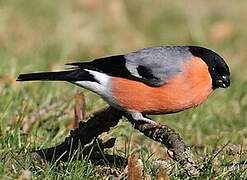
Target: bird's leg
[{"x": 138, "y": 117}]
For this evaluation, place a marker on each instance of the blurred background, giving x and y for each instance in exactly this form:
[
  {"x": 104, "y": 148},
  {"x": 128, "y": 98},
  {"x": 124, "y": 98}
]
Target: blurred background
[{"x": 44, "y": 35}]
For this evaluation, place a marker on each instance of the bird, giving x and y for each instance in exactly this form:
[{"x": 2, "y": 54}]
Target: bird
[{"x": 148, "y": 81}]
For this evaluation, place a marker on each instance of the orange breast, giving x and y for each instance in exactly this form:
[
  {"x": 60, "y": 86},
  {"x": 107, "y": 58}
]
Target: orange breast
[{"x": 185, "y": 90}]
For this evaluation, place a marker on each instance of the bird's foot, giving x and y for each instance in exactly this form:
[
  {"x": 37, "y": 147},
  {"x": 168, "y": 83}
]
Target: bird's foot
[{"x": 139, "y": 118}]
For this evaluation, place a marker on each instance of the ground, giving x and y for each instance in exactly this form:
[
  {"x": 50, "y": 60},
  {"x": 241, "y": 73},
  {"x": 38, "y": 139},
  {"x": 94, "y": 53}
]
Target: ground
[{"x": 44, "y": 35}]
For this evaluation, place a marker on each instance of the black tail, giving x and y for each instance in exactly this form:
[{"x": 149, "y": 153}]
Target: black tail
[{"x": 73, "y": 75}]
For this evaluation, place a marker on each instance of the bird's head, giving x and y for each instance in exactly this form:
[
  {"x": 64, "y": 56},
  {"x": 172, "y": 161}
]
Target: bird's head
[{"x": 217, "y": 67}]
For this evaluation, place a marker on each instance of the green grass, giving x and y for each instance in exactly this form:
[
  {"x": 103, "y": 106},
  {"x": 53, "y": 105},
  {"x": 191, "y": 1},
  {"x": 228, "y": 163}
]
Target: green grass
[{"x": 43, "y": 35}]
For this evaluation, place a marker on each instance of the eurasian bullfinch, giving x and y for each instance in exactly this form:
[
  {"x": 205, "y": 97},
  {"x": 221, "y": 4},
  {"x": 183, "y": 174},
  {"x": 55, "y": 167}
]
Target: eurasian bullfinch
[{"x": 157, "y": 80}]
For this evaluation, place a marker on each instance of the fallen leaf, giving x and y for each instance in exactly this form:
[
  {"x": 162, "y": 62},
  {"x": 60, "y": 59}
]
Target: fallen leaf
[
  {"x": 135, "y": 168},
  {"x": 79, "y": 110}
]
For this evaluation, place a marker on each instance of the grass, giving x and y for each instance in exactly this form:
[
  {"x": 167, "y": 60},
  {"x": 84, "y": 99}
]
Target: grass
[{"x": 43, "y": 35}]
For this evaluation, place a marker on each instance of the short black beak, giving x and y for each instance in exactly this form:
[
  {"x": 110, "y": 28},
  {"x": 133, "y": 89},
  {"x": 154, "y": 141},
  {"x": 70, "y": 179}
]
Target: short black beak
[{"x": 224, "y": 81}]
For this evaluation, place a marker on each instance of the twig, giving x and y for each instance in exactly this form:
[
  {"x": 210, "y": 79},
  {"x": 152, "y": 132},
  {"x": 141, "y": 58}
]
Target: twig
[
  {"x": 177, "y": 149},
  {"x": 102, "y": 121}
]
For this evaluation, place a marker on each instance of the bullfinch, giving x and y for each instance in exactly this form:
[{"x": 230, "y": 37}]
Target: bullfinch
[{"x": 156, "y": 80}]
